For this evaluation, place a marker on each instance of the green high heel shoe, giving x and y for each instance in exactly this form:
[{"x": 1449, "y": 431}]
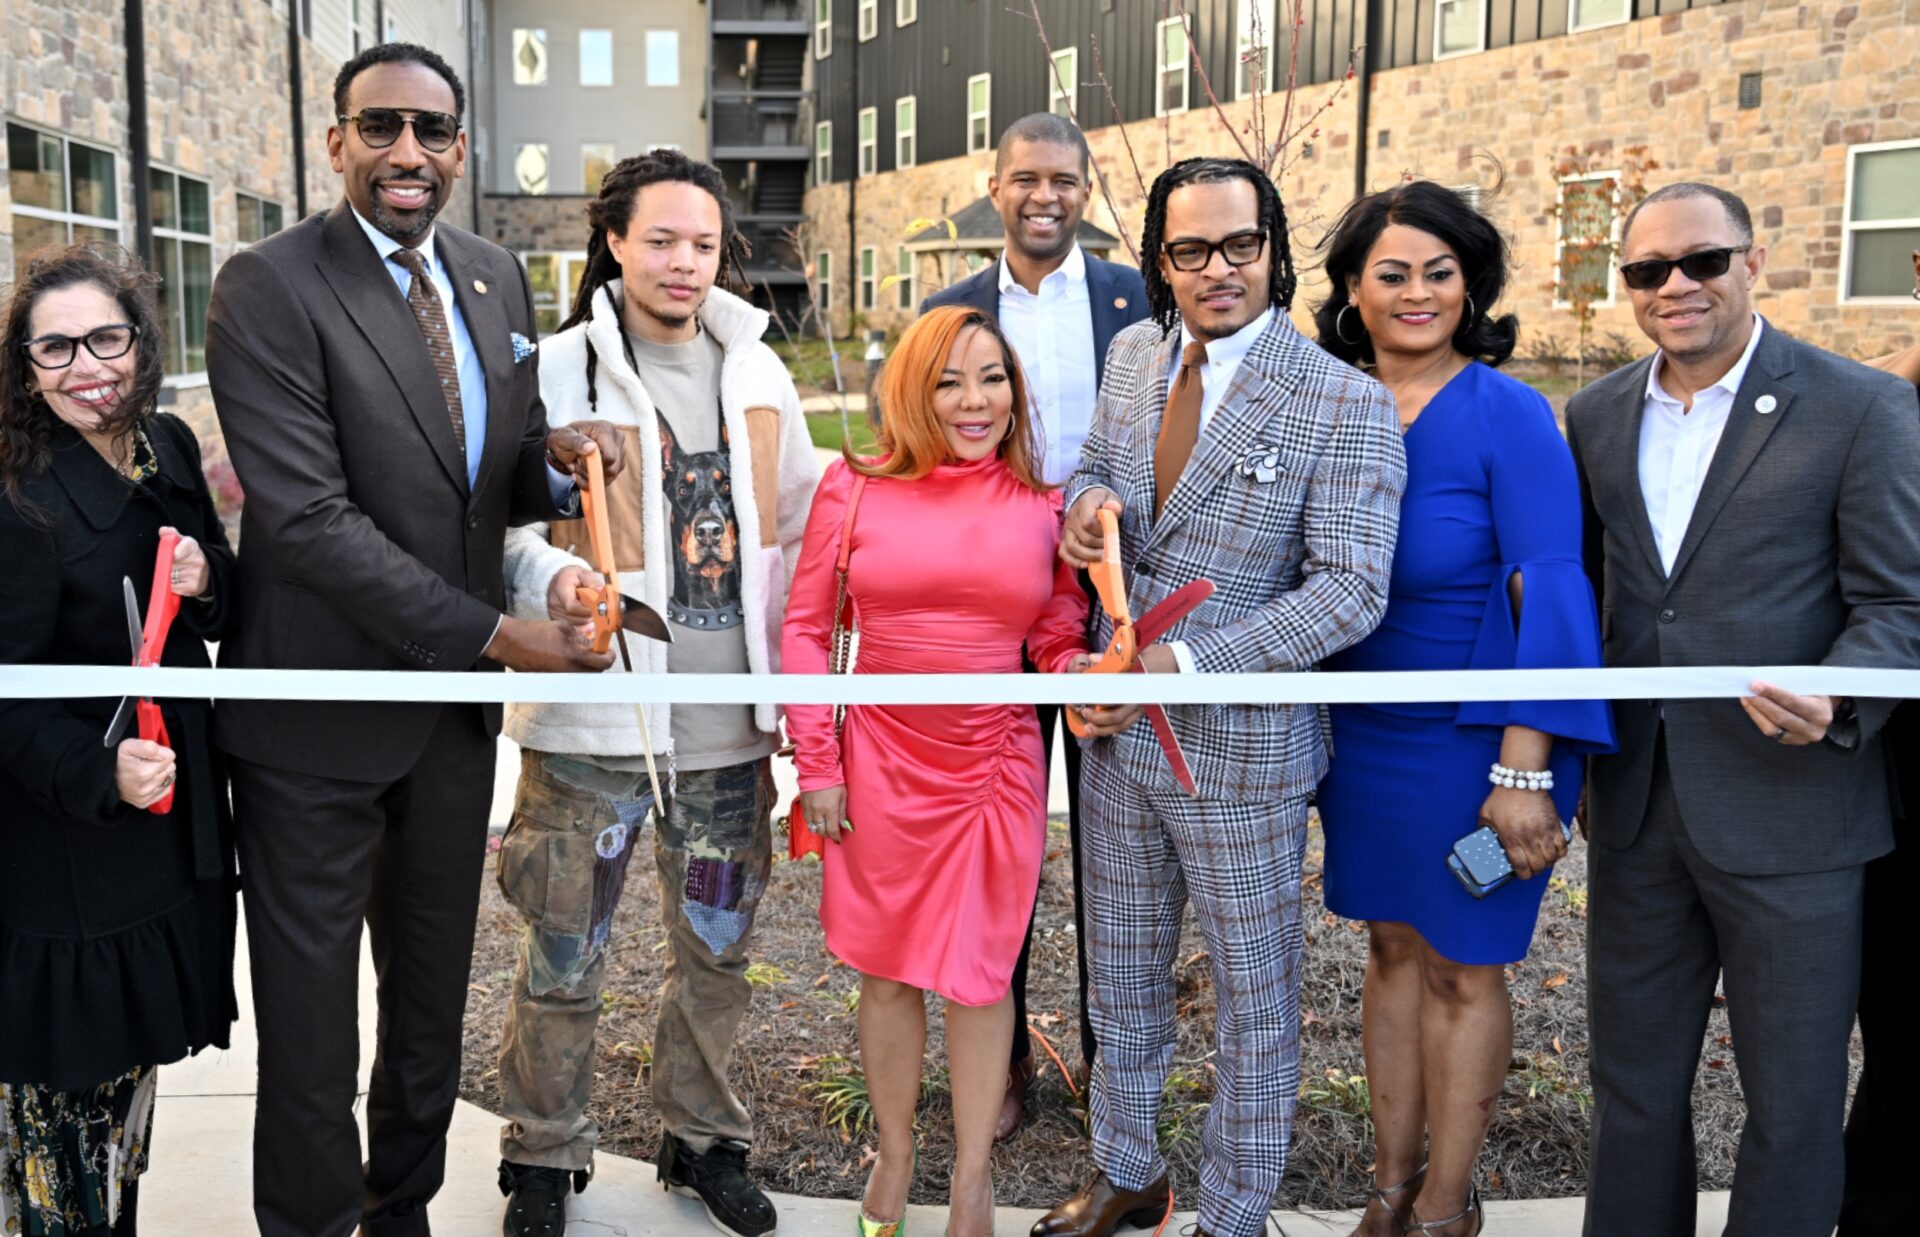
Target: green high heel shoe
[{"x": 889, "y": 1228}]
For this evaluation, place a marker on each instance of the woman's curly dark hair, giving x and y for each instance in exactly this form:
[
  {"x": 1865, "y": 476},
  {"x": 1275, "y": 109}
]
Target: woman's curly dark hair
[
  {"x": 1440, "y": 212},
  {"x": 1273, "y": 221},
  {"x": 612, "y": 211},
  {"x": 26, "y": 423}
]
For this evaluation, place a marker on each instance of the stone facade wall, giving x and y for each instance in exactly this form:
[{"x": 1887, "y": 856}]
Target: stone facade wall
[
  {"x": 522, "y": 222},
  {"x": 1834, "y": 75}
]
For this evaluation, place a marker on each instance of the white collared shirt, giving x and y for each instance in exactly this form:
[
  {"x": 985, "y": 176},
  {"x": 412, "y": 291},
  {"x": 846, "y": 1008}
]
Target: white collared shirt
[
  {"x": 1677, "y": 447},
  {"x": 473, "y": 378},
  {"x": 1052, "y": 334},
  {"x": 1223, "y": 358}
]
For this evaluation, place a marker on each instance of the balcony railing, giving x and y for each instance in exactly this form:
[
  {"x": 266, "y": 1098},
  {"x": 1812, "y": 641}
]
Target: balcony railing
[
  {"x": 773, "y": 253},
  {"x": 763, "y": 125},
  {"x": 761, "y": 10}
]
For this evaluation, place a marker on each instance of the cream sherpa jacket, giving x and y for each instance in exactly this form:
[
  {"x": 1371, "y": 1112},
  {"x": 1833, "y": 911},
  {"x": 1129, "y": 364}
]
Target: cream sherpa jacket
[{"x": 768, "y": 442}]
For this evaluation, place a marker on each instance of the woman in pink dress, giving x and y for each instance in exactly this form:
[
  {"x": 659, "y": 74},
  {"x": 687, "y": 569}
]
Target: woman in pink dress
[{"x": 938, "y": 813}]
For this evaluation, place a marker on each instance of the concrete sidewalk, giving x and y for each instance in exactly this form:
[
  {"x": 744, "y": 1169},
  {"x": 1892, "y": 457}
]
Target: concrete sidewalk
[{"x": 200, "y": 1179}]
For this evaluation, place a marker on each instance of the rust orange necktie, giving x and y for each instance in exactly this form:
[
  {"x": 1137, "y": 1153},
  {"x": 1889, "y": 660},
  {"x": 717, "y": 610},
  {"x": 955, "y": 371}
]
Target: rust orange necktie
[{"x": 1179, "y": 425}]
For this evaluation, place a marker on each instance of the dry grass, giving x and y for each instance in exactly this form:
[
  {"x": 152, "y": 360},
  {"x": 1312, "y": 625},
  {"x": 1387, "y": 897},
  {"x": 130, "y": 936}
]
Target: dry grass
[{"x": 796, "y": 1061}]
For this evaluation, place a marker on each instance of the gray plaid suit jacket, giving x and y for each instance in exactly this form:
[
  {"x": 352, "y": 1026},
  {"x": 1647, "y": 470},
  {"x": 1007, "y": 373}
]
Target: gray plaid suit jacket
[{"x": 1290, "y": 505}]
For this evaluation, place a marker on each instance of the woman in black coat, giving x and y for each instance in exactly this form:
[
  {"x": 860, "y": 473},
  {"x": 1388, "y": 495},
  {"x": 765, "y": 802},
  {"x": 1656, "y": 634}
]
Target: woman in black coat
[{"x": 116, "y": 923}]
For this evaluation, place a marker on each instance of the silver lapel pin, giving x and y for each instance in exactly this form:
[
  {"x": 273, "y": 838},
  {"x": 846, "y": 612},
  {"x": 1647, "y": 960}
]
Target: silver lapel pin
[{"x": 1765, "y": 404}]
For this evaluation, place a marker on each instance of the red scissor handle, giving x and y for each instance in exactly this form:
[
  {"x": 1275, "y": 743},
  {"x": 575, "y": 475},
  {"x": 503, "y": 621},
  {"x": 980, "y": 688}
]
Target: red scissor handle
[{"x": 162, "y": 605}]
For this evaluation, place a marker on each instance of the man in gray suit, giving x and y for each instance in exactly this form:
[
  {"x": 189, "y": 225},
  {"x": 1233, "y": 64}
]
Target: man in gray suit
[{"x": 1751, "y": 500}]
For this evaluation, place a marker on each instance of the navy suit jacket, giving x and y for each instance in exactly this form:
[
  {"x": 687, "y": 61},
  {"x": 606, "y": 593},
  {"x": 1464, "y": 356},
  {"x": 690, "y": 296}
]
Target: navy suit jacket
[{"x": 1116, "y": 294}]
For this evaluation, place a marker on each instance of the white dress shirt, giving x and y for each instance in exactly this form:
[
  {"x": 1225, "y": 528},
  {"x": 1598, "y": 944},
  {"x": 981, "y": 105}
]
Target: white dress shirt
[
  {"x": 1677, "y": 446},
  {"x": 1052, "y": 334}
]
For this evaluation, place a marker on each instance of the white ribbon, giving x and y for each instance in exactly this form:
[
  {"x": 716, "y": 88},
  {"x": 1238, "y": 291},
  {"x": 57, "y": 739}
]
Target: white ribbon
[{"x": 1408, "y": 686}]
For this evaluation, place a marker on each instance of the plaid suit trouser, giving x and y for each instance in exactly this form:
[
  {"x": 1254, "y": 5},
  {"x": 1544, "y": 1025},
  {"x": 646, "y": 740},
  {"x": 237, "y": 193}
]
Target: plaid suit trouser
[{"x": 1146, "y": 854}]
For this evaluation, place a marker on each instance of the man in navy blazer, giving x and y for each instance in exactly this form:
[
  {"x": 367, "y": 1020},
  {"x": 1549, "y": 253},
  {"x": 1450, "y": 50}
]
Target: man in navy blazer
[{"x": 1060, "y": 309}]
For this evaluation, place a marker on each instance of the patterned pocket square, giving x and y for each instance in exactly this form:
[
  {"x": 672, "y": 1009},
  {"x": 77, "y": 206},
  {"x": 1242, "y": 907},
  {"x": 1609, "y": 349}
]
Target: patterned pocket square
[
  {"x": 522, "y": 347},
  {"x": 1262, "y": 464}
]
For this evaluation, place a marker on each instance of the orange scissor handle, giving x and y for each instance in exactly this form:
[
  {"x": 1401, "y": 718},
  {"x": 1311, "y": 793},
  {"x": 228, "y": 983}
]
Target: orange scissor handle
[
  {"x": 1118, "y": 659},
  {"x": 605, "y": 600},
  {"x": 1108, "y": 578}
]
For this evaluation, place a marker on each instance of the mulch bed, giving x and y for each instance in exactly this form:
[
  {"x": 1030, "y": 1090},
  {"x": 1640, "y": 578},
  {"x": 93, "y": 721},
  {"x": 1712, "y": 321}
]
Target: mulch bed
[{"x": 796, "y": 1062}]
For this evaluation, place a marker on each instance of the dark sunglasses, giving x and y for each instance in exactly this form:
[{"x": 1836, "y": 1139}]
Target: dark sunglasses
[
  {"x": 107, "y": 343},
  {"x": 380, "y": 127},
  {"x": 1699, "y": 267},
  {"x": 1239, "y": 249}
]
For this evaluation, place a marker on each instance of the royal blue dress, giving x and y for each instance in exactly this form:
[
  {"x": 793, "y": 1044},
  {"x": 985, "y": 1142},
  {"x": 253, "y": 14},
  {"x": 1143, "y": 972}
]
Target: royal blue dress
[{"x": 1491, "y": 490}]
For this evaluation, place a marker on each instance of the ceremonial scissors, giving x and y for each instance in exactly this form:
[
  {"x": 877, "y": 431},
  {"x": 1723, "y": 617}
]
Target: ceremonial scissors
[
  {"x": 614, "y": 615},
  {"x": 149, "y": 640},
  {"x": 1123, "y": 651}
]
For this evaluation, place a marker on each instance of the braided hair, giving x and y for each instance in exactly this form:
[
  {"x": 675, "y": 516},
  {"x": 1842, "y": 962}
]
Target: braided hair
[
  {"x": 612, "y": 211},
  {"x": 1208, "y": 171}
]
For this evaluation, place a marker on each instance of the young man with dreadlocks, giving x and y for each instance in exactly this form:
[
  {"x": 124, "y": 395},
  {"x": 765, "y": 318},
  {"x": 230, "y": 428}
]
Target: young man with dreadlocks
[
  {"x": 677, "y": 364},
  {"x": 1234, "y": 450}
]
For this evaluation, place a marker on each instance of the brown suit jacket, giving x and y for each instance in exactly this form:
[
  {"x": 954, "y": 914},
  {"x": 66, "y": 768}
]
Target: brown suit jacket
[{"x": 364, "y": 547}]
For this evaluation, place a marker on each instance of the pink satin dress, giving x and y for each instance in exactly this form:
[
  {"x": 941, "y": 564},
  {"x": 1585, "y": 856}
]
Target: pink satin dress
[{"x": 954, "y": 572}]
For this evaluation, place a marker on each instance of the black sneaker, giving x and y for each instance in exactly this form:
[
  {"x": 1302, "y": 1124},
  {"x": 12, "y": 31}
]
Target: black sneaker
[
  {"x": 537, "y": 1199},
  {"x": 719, "y": 1180}
]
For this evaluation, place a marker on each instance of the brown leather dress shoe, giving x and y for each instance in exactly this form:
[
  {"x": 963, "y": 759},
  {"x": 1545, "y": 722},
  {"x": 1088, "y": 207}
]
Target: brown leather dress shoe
[
  {"x": 1101, "y": 1207},
  {"x": 1014, "y": 1106}
]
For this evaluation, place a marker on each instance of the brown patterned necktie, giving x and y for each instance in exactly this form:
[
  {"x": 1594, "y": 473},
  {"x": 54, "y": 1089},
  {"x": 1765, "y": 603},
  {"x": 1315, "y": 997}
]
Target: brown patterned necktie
[
  {"x": 1179, "y": 425},
  {"x": 431, "y": 317}
]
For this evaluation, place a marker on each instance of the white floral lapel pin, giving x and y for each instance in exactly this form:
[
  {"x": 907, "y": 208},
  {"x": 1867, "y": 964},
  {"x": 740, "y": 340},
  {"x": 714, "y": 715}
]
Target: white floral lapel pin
[
  {"x": 1262, "y": 465},
  {"x": 522, "y": 347}
]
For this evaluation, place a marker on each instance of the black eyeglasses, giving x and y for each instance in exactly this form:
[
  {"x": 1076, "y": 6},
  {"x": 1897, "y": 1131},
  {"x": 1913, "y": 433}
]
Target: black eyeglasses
[
  {"x": 107, "y": 343},
  {"x": 1699, "y": 267},
  {"x": 1239, "y": 249},
  {"x": 380, "y": 127}
]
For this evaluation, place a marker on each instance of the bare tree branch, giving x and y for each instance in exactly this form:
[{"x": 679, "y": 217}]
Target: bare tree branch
[
  {"x": 1073, "y": 114},
  {"x": 1193, "y": 54}
]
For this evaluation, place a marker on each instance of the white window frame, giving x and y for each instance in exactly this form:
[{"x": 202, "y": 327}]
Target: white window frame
[
  {"x": 179, "y": 237},
  {"x": 535, "y": 34},
  {"x": 868, "y": 27},
  {"x": 1243, "y": 14},
  {"x": 823, "y": 282},
  {"x": 986, "y": 128},
  {"x": 903, "y": 267},
  {"x": 1063, "y": 83},
  {"x": 866, "y": 140},
  {"x": 1559, "y": 239},
  {"x": 868, "y": 272},
  {"x": 1848, "y": 226},
  {"x": 664, "y": 37},
  {"x": 1575, "y": 27},
  {"x": 584, "y": 83},
  {"x": 361, "y": 19},
  {"x": 1161, "y": 69},
  {"x": 564, "y": 262},
  {"x": 822, "y": 29},
  {"x": 263, "y": 201},
  {"x": 905, "y": 12},
  {"x": 68, "y": 217},
  {"x": 911, "y": 135},
  {"x": 1438, "y": 25},
  {"x": 823, "y": 153}
]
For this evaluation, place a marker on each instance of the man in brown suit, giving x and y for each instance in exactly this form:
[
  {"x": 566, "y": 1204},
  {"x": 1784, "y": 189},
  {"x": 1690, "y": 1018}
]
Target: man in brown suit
[{"x": 375, "y": 380}]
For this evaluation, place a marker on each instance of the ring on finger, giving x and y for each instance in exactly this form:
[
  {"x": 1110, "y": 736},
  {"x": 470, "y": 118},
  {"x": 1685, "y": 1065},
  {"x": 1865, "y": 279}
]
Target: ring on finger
[{"x": 1779, "y": 734}]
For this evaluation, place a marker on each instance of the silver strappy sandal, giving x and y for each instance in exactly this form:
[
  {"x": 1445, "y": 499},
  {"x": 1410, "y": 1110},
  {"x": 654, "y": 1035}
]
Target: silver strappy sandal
[{"x": 1440, "y": 1226}]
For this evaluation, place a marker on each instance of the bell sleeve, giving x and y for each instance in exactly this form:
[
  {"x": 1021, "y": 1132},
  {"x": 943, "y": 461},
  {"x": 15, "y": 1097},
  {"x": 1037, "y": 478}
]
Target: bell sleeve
[
  {"x": 1061, "y": 630},
  {"x": 1536, "y": 509},
  {"x": 806, "y": 635}
]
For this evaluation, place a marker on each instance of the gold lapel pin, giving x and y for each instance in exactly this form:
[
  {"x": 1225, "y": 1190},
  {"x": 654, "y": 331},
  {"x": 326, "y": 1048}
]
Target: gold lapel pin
[
  {"x": 480, "y": 286},
  {"x": 1119, "y": 302}
]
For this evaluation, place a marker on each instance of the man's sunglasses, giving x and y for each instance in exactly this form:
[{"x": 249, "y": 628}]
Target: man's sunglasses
[
  {"x": 1699, "y": 267},
  {"x": 1239, "y": 249},
  {"x": 107, "y": 343},
  {"x": 380, "y": 127}
]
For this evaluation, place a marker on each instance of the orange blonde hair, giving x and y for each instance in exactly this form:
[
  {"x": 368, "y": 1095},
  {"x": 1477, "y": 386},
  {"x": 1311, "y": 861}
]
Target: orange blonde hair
[{"x": 911, "y": 442}]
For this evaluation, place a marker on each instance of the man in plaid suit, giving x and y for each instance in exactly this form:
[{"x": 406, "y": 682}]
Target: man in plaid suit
[{"x": 1235, "y": 450}]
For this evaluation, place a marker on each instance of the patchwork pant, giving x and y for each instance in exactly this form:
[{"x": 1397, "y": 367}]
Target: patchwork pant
[
  {"x": 1146, "y": 855},
  {"x": 563, "y": 865}
]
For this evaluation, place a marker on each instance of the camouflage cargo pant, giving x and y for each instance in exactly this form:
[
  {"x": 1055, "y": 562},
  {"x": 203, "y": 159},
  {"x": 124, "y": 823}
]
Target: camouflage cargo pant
[{"x": 563, "y": 864}]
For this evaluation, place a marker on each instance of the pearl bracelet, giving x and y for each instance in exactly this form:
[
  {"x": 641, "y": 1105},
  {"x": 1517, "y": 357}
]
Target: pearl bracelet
[{"x": 1520, "y": 779}]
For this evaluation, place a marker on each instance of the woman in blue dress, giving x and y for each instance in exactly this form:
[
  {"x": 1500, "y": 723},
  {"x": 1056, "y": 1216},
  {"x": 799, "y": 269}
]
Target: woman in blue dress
[{"x": 1487, "y": 575}]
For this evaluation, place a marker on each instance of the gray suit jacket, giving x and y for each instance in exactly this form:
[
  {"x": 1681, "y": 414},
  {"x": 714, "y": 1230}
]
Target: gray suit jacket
[
  {"x": 1804, "y": 549},
  {"x": 1290, "y": 504}
]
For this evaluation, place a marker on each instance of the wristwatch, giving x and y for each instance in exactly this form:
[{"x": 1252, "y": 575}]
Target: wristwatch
[{"x": 1844, "y": 729}]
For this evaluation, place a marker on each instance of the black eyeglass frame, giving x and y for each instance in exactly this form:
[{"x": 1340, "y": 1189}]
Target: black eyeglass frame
[
  {"x": 76, "y": 342},
  {"x": 406, "y": 116},
  {"x": 1640, "y": 275},
  {"x": 1213, "y": 247}
]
